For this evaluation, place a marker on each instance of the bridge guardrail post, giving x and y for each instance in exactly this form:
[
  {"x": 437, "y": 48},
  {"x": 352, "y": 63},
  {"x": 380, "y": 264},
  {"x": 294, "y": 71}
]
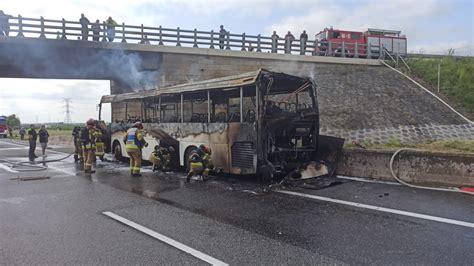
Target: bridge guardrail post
[
  {"x": 20, "y": 26},
  {"x": 368, "y": 52},
  {"x": 356, "y": 50},
  {"x": 104, "y": 32},
  {"x": 63, "y": 37},
  {"x": 329, "y": 52},
  {"x": 228, "y": 41},
  {"x": 316, "y": 47},
  {"x": 243, "y": 42},
  {"x": 42, "y": 35},
  {"x": 195, "y": 38},
  {"x": 161, "y": 36},
  {"x": 381, "y": 51},
  {"x": 259, "y": 45},
  {"x": 123, "y": 33},
  {"x": 212, "y": 40},
  {"x": 178, "y": 41}
]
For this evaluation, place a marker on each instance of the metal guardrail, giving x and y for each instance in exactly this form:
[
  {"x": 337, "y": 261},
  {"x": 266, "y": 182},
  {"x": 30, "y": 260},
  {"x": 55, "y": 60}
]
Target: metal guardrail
[{"x": 66, "y": 30}]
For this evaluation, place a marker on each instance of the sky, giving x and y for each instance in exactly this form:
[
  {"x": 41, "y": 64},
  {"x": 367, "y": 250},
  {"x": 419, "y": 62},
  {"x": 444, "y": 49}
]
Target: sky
[{"x": 431, "y": 26}]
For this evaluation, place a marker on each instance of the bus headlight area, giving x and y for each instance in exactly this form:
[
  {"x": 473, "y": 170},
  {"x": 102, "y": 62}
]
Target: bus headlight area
[{"x": 260, "y": 123}]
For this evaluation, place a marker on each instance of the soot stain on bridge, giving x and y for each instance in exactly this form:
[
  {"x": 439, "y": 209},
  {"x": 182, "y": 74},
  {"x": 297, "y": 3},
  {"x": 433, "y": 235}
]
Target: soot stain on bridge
[{"x": 45, "y": 60}]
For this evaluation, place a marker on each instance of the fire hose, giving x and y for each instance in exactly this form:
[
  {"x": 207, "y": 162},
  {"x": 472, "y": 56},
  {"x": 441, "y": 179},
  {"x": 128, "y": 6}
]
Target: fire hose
[
  {"x": 416, "y": 186},
  {"x": 27, "y": 166}
]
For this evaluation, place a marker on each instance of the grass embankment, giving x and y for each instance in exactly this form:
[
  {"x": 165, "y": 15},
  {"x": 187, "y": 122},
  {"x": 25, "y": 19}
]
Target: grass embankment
[
  {"x": 456, "y": 78},
  {"x": 448, "y": 146},
  {"x": 52, "y": 132}
]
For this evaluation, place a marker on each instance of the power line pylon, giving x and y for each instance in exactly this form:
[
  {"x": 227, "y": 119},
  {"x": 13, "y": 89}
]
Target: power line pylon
[{"x": 67, "y": 106}]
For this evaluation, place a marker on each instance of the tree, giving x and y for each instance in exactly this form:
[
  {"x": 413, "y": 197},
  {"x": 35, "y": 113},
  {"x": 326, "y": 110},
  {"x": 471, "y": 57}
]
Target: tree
[{"x": 13, "y": 121}]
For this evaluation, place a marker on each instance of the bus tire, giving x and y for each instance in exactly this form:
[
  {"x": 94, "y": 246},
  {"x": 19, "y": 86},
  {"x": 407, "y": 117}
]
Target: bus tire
[
  {"x": 117, "y": 149},
  {"x": 187, "y": 154}
]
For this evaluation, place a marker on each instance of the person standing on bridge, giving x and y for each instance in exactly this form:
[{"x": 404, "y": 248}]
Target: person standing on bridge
[
  {"x": 84, "y": 27},
  {"x": 275, "y": 38},
  {"x": 110, "y": 25},
  {"x": 95, "y": 28},
  {"x": 303, "y": 40},
  {"x": 134, "y": 143},
  {"x": 4, "y": 24},
  {"x": 289, "y": 38},
  {"x": 222, "y": 34},
  {"x": 32, "y": 137}
]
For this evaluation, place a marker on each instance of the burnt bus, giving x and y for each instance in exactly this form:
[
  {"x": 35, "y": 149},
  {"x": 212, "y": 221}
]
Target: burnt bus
[{"x": 260, "y": 122}]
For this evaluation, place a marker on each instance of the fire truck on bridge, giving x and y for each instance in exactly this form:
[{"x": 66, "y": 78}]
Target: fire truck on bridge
[{"x": 355, "y": 43}]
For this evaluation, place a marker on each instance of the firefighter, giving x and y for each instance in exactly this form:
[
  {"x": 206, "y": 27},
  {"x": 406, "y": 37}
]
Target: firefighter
[
  {"x": 76, "y": 133},
  {"x": 88, "y": 145},
  {"x": 161, "y": 158},
  {"x": 207, "y": 161},
  {"x": 99, "y": 144},
  {"x": 134, "y": 142},
  {"x": 200, "y": 162},
  {"x": 196, "y": 166}
]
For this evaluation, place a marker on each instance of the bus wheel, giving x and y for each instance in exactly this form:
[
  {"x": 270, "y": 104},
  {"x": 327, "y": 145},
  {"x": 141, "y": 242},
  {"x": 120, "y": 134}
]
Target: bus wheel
[
  {"x": 117, "y": 151},
  {"x": 187, "y": 154}
]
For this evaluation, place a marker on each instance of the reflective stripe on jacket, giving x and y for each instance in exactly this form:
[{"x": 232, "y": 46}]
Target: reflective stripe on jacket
[{"x": 134, "y": 139}]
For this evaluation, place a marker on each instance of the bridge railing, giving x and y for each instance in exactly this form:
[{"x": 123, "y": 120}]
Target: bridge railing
[{"x": 72, "y": 30}]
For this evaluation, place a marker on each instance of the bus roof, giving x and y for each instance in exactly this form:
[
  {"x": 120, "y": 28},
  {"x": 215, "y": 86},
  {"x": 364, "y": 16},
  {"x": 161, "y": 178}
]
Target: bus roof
[{"x": 244, "y": 79}]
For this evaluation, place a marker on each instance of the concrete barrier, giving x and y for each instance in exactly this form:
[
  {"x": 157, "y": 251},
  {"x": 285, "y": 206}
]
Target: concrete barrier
[{"x": 416, "y": 167}]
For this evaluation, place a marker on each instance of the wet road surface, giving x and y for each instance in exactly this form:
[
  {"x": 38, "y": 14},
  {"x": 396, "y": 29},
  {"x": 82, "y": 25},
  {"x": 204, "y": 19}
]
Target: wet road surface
[{"x": 229, "y": 219}]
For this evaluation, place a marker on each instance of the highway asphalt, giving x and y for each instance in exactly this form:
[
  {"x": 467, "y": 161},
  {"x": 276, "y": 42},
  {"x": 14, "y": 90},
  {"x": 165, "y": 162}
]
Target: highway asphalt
[{"x": 159, "y": 219}]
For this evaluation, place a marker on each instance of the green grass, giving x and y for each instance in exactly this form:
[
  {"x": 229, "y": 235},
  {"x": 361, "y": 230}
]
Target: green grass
[
  {"x": 450, "y": 146},
  {"x": 52, "y": 132},
  {"x": 457, "y": 78}
]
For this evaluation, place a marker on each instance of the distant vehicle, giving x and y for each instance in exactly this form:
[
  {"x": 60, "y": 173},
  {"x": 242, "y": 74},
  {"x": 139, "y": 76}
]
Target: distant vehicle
[
  {"x": 353, "y": 41},
  {"x": 3, "y": 127}
]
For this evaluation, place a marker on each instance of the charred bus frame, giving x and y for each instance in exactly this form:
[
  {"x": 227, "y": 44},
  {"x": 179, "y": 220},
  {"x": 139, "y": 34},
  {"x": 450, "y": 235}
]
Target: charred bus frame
[{"x": 260, "y": 122}]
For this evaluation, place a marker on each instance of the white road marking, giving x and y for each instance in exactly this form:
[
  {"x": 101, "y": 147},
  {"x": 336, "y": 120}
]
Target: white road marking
[
  {"x": 49, "y": 166},
  {"x": 26, "y": 146},
  {"x": 360, "y": 179},
  {"x": 382, "y": 209},
  {"x": 165, "y": 239},
  {"x": 22, "y": 148},
  {"x": 7, "y": 168}
]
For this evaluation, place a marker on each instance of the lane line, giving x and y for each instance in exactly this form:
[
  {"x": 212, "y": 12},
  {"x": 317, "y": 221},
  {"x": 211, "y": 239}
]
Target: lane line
[
  {"x": 49, "y": 166},
  {"x": 9, "y": 149},
  {"x": 165, "y": 239},
  {"x": 360, "y": 179},
  {"x": 26, "y": 146},
  {"x": 381, "y": 209},
  {"x": 8, "y": 169}
]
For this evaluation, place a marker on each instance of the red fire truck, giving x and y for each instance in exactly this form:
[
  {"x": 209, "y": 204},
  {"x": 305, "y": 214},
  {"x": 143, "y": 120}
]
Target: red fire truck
[
  {"x": 355, "y": 43},
  {"x": 3, "y": 126}
]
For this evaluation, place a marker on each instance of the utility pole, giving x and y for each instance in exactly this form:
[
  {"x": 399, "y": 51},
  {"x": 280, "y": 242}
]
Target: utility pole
[{"x": 67, "y": 106}]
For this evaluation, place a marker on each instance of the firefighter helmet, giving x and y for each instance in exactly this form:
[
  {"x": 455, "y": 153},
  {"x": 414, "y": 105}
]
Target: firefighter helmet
[
  {"x": 90, "y": 122},
  {"x": 138, "y": 125}
]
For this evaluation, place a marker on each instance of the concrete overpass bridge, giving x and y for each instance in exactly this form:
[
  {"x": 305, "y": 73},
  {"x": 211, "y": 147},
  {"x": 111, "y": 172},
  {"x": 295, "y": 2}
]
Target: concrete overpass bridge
[{"x": 360, "y": 98}]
